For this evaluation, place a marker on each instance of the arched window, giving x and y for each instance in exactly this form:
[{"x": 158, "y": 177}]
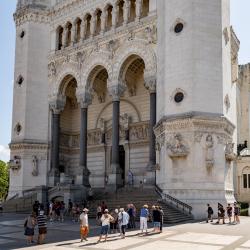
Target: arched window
[
  {"x": 246, "y": 177},
  {"x": 120, "y": 13},
  {"x": 78, "y": 30},
  {"x": 132, "y": 10},
  {"x": 88, "y": 23},
  {"x": 68, "y": 38},
  {"x": 59, "y": 38},
  {"x": 98, "y": 14},
  {"x": 145, "y": 8},
  {"x": 109, "y": 10}
]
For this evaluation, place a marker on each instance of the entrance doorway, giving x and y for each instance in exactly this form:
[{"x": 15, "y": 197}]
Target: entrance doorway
[{"x": 122, "y": 162}]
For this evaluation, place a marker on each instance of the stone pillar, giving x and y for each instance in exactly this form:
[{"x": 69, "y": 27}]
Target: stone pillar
[
  {"x": 84, "y": 97},
  {"x": 56, "y": 106},
  {"x": 64, "y": 36},
  {"x": 83, "y": 28},
  {"x": 126, "y": 12},
  {"x": 73, "y": 33},
  {"x": 92, "y": 25},
  {"x": 138, "y": 9},
  {"x": 114, "y": 17},
  {"x": 115, "y": 177},
  {"x": 150, "y": 83},
  {"x": 103, "y": 21}
]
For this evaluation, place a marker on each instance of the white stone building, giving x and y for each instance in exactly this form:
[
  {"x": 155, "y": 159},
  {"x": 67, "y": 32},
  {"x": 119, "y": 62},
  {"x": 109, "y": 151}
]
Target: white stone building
[{"x": 107, "y": 86}]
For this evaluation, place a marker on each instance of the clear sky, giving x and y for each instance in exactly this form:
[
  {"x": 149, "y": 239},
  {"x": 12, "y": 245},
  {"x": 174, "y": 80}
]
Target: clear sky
[{"x": 240, "y": 19}]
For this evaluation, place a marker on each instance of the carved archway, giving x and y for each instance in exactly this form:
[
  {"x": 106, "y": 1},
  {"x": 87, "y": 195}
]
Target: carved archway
[
  {"x": 95, "y": 60},
  {"x": 140, "y": 49}
]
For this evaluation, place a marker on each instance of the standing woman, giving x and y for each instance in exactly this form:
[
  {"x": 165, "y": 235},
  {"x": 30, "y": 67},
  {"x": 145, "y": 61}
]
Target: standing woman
[
  {"x": 236, "y": 213},
  {"x": 229, "y": 213},
  {"x": 29, "y": 226},
  {"x": 105, "y": 219},
  {"x": 84, "y": 224}
]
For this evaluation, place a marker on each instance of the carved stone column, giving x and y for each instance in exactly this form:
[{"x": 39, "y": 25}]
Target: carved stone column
[
  {"x": 115, "y": 178},
  {"x": 92, "y": 25},
  {"x": 114, "y": 17},
  {"x": 126, "y": 12},
  {"x": 103, "y": 21},
  {"x": 73, "y": 33},
  {"x": 138, "y": 9},
  {"x": 150, "y": 83},
  {"x": 83, "y": 28},
  {"x": 57, "y": 107},
  {"x": 84, "y": 98},
  {"x": 64, "y": 36}
]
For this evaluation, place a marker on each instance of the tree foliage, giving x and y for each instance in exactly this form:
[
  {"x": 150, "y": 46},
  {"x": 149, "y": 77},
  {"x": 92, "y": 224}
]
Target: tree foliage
[{"x": 4, "y": 179}]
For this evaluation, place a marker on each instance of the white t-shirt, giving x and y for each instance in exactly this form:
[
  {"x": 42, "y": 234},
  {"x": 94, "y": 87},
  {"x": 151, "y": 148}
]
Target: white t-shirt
[
  {"x": 106, "y": 221},
  {"x": 84, "y": 219},
  {"x": 123, "y": 218}
]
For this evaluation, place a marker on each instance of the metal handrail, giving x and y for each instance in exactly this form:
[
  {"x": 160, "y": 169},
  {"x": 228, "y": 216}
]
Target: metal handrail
[{"x": 169, "y": 199}]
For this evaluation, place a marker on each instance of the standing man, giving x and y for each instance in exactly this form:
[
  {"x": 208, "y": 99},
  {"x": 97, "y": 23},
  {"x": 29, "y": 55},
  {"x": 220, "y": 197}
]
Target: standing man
[
  {"x": 144, "y": 218},
  {"x": 210, "y": 213},
  {"x": 42, "y": 226},
  {"x": 123, "y": 219},
  {"x": 84, "y": 224}
]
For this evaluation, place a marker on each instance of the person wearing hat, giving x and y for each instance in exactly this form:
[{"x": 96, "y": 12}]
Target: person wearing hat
[
  {"x": 144, "y": 218},
  {"x": 123, "y": 219},
  {"x": 105, "y": 219},
  {"x": 84, "y": 224}
]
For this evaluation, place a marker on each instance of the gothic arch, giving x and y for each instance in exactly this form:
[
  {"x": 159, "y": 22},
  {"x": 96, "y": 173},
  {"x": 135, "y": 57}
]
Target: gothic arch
[
  {"x": 64, "y": 71},
  {"x": 95, "y": 60},
  {"x": 137, "y": 48}
]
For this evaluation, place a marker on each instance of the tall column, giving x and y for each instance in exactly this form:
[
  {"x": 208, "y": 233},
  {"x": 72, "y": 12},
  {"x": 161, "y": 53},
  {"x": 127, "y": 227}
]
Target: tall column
[
  {"x": 64, "y": 36},
  {"x": 126, "y": 12},
  {"x": 92, "y": 25},
  {"x": 103, "y": 21},
  {"x": 114, "y": 17},
  {"x": 84, "y": 97},
  {"x": 150, "y": 84},
  {"x": 115, "y": 177},
  {"x": 56, "y": 106},
  {"x": 73, "y": 33},
  {"x": 138, "y": 9},
  {"x": 83, "y": 28}
]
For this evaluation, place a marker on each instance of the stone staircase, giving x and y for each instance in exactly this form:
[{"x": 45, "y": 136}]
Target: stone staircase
[
  {"x": 20, "y": 204},
  {"x": 139, "y": 197}
]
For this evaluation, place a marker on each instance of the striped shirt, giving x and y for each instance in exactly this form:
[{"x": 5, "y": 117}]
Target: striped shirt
[{"x": 41, "y": 221}]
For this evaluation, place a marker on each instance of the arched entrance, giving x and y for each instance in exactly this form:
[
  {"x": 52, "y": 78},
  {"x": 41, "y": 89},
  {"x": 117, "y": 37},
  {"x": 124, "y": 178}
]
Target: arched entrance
[{"x": 69, "y": 127}]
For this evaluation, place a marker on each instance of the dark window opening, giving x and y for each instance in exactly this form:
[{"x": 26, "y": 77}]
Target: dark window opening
[
  {"x": 178, "y": 28},
  {"x": 179, "y": 97}
]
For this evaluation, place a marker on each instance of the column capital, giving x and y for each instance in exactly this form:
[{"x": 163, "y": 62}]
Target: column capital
[
  {"x": 116, "y": 91},
  {"x": 84, "y": 97},
  {"x": 150, "y": 83},
  {"x": 57, "y": 104}
]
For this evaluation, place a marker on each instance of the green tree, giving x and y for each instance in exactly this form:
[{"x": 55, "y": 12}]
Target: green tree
[{"x": 4, "y": 179}]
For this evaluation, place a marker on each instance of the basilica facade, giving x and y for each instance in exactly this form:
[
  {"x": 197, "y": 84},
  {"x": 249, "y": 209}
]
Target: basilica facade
[{"x": 108, "y": 88}]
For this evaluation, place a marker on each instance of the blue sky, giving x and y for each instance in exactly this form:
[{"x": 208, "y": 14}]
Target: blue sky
[{"x": 240, "y": 19}]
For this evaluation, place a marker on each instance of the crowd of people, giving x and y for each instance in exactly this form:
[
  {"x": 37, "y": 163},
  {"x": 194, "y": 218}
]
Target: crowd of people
[
  {"x": 117, "y": 220},
  {"x": 230, "y": 211}
]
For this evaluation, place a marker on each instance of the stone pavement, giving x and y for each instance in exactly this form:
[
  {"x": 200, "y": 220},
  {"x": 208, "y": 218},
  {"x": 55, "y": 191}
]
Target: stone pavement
[{"x": 190, "y": 236}]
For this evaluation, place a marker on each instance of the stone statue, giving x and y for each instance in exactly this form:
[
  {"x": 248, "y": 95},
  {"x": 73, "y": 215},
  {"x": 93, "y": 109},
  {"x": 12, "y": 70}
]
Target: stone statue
[
  {"x": 176, "y": 147},
  {"x": 35, "y": 165},
  {"x": 229, "y": 152},
  {"x": 209, "y": 151}
]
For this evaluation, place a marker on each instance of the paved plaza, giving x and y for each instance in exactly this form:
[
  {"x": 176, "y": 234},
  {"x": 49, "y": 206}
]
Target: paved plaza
[{"x": 190, "y": 236}]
